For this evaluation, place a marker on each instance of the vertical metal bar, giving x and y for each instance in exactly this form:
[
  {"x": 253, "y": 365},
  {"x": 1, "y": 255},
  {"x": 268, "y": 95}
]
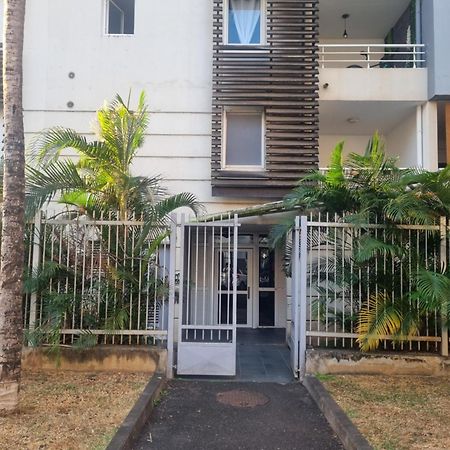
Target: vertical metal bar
[
  {"x": 302, "y": 295},
  {"x": 327, "y": 233},
  {"x": 444, "y": 312},
  {"x": 171, "y": 312},
  {"x": 229, "y": 275},
  {"x": 212, "y": 281},
  {"x": 204, "y": 282},
  {"x": 235, "y": 258},
  {"x": 188, "y": 274},
  {"x": 219, "y": 278},
  {"x": 182, "y": 310},
  {"x": 295, "y": 331},
  {"x": 335, "y": 263},
  {"x": 35, "y": 243},
  {"x": 66, "y": 289},
  {"x": 195, "y": 299},
  {"x": 132, "y": 243},
  {"x": 352, "y": 237},
  {"x": 319, "y": 276},
  {"x": 108, "y": 262}
]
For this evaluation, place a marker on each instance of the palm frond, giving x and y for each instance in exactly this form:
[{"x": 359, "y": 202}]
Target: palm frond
[{"x": 379, "y": 318}]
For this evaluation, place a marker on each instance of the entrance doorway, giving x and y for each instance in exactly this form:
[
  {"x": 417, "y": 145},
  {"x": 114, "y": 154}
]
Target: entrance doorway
[
  {"x": 255, "y": 281},
  {"x": 244, "y": 287}
]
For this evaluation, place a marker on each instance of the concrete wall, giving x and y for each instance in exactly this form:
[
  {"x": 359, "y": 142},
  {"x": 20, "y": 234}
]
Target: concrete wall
[
  {"x": 436, "y": 37},
  {"x": 97, "y": 359},
  {"x": 409, "y": 85},
  {"x": 401, "y": 142},
  {"x": 352, "y": 144},
  {"x": 322, "y": 361}
]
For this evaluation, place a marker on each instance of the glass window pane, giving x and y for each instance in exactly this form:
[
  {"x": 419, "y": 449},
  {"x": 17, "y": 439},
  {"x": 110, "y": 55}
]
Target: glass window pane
[
  {"x": 244, "y": 22},
  {"x": 121, "y": 16},
  {"x": 267, "y": 309},
  {"x": 266, "y": 268},
  {"x": 243, "y": 139},
  {"x": 226, "y": 275},
  {"x": 226, "y": 309}
]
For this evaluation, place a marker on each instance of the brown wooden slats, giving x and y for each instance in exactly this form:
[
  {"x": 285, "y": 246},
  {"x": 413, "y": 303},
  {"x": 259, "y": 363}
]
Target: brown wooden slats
[{"x": 282, "y": 78}]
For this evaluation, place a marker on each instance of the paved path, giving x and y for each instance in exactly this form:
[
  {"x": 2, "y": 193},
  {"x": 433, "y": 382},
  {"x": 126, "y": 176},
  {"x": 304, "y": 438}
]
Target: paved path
[{"x": 220, "y": 415}]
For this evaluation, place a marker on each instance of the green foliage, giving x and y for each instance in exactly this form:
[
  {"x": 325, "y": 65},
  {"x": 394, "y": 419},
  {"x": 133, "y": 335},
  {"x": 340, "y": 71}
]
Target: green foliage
[
  {"x": 364, "y": 189},
  {"x": 101, "y": 181},
  {"x": 98, "y": 184}
]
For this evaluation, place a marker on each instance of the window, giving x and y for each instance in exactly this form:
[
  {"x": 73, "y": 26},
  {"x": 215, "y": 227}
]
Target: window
[
  {"x": 120, "y": 16},
  {"x": 243, "y": 140},
  {"x": 245, "y": 22}
]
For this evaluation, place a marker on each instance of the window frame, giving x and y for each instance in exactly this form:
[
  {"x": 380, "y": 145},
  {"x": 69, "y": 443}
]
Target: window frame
[
  {"x": 106, "y": 5},
  {"x": 263, "y": 25},
  {"x": 243, "y": 110}
]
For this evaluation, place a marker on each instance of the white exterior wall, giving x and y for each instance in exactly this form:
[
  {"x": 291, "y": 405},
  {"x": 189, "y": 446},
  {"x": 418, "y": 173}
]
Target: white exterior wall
[
  {"x": 401, "y": 142},
  {"x": 352, "y": 144},
  {"x": 169, "y": 56}
]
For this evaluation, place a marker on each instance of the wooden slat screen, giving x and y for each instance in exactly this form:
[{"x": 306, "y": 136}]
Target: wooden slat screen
[{"x": 282, "y": 78}]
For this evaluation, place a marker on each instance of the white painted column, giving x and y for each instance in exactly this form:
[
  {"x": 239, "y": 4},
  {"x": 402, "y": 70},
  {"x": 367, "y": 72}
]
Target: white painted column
[
  {"x": 419, "y": 134},
  {"x": 430, "y": 136}
]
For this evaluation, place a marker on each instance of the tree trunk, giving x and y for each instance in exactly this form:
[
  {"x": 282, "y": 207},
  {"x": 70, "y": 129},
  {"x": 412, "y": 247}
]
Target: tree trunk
[{"x": 12, "y": 241}]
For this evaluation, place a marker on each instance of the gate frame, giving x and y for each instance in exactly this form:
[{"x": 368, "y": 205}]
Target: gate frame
[{"x": 234, "y": 224}]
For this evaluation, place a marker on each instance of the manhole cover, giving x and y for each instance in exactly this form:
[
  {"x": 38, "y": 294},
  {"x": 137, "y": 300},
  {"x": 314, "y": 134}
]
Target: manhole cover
[{"x": 242, "y": 399}]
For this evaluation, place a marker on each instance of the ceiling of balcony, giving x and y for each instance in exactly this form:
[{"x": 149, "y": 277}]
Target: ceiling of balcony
[
  {"x": 362, "y": 118},
  {"x": 369, "y": 19}
]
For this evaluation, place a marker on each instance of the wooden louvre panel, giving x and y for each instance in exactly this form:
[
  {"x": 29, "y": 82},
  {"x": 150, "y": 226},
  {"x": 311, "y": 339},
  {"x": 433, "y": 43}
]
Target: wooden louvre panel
[{"x": 281, "y": 77}]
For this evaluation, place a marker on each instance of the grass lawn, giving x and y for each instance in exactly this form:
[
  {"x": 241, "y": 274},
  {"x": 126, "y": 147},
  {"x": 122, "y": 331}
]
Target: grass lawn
[
  {"x": 70, "y": 410},
  {"x": 396, "y": 413}
]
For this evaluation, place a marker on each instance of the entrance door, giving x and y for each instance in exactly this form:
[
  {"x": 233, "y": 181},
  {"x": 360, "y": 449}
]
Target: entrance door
[{"x": 244, "y": 292}]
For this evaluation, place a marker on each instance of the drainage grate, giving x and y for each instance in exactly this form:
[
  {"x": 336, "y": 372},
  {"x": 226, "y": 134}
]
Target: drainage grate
[{"x": 242, "y": 399}]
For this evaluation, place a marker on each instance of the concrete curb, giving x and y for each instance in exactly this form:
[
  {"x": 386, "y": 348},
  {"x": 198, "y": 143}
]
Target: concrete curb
[
  {"x": 349, "y": 435},
  {"x": 131, "y": 427}
]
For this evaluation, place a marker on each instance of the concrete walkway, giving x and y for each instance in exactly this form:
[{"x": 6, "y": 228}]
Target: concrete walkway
[{"x": 220, "y": 415}]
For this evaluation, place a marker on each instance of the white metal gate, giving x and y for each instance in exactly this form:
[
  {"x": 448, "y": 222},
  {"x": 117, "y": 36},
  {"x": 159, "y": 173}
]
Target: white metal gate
[
  {"x": 207, "y": 330},
  {"x": 297, "y": 342}
]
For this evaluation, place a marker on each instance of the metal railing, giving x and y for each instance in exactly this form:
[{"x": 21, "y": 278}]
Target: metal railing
[
  {"x": 337, "y": 285},
  {"x": 372, "y": 56},
  {"x": 100, "y": 278}
]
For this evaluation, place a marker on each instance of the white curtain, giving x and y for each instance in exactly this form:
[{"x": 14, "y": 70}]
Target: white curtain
[{"x": 246, "y": 14}]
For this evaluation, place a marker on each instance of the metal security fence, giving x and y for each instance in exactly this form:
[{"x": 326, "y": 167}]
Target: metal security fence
[
  {"x": 97, "y": 280},
  {"x": 345, "y": 269}
]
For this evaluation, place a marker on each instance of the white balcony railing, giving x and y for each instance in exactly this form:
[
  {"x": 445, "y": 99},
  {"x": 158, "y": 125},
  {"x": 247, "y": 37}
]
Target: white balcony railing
[{"x": 372, "y": 56}]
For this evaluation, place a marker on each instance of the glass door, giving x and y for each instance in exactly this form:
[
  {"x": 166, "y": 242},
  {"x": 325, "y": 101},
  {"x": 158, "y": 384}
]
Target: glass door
[{"x": 244, "y": 287}]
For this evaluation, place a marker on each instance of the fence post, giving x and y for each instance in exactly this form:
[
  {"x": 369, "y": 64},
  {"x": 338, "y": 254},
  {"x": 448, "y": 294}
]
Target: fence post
[
  {"x": 171, "y": 313},
  {"x": 443, "y": 256},
  {"x": 34, "y": 267},
  {"x": 302, "y": 293}
]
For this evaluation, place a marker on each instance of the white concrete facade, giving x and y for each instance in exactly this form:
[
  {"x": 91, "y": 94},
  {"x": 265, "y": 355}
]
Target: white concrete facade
[{"x": 170, "y": 57}]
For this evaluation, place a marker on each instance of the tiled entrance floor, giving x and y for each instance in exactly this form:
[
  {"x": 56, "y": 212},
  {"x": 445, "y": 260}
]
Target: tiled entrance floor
[{"x": 263, "y": 356}]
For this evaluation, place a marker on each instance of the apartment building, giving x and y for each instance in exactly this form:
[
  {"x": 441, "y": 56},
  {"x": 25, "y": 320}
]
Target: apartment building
[{"x": 246, "y": 96}]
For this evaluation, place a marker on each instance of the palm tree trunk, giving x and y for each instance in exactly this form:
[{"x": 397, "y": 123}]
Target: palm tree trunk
[{"x": 12, "y": 241}]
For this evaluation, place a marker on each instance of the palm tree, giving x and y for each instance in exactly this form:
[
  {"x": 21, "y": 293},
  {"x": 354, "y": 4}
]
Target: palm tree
[
  {"x": 364, "y": 189},
  {"x": 12, "y": 242},
  {"x": 99, "y": 184},
  {"x": 100, "y": 181}
]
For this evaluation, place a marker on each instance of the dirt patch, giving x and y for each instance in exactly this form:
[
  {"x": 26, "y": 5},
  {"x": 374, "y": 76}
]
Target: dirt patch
[
  {"x": 396, "y": 413},
  {"x": 69, "y": 410}
]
